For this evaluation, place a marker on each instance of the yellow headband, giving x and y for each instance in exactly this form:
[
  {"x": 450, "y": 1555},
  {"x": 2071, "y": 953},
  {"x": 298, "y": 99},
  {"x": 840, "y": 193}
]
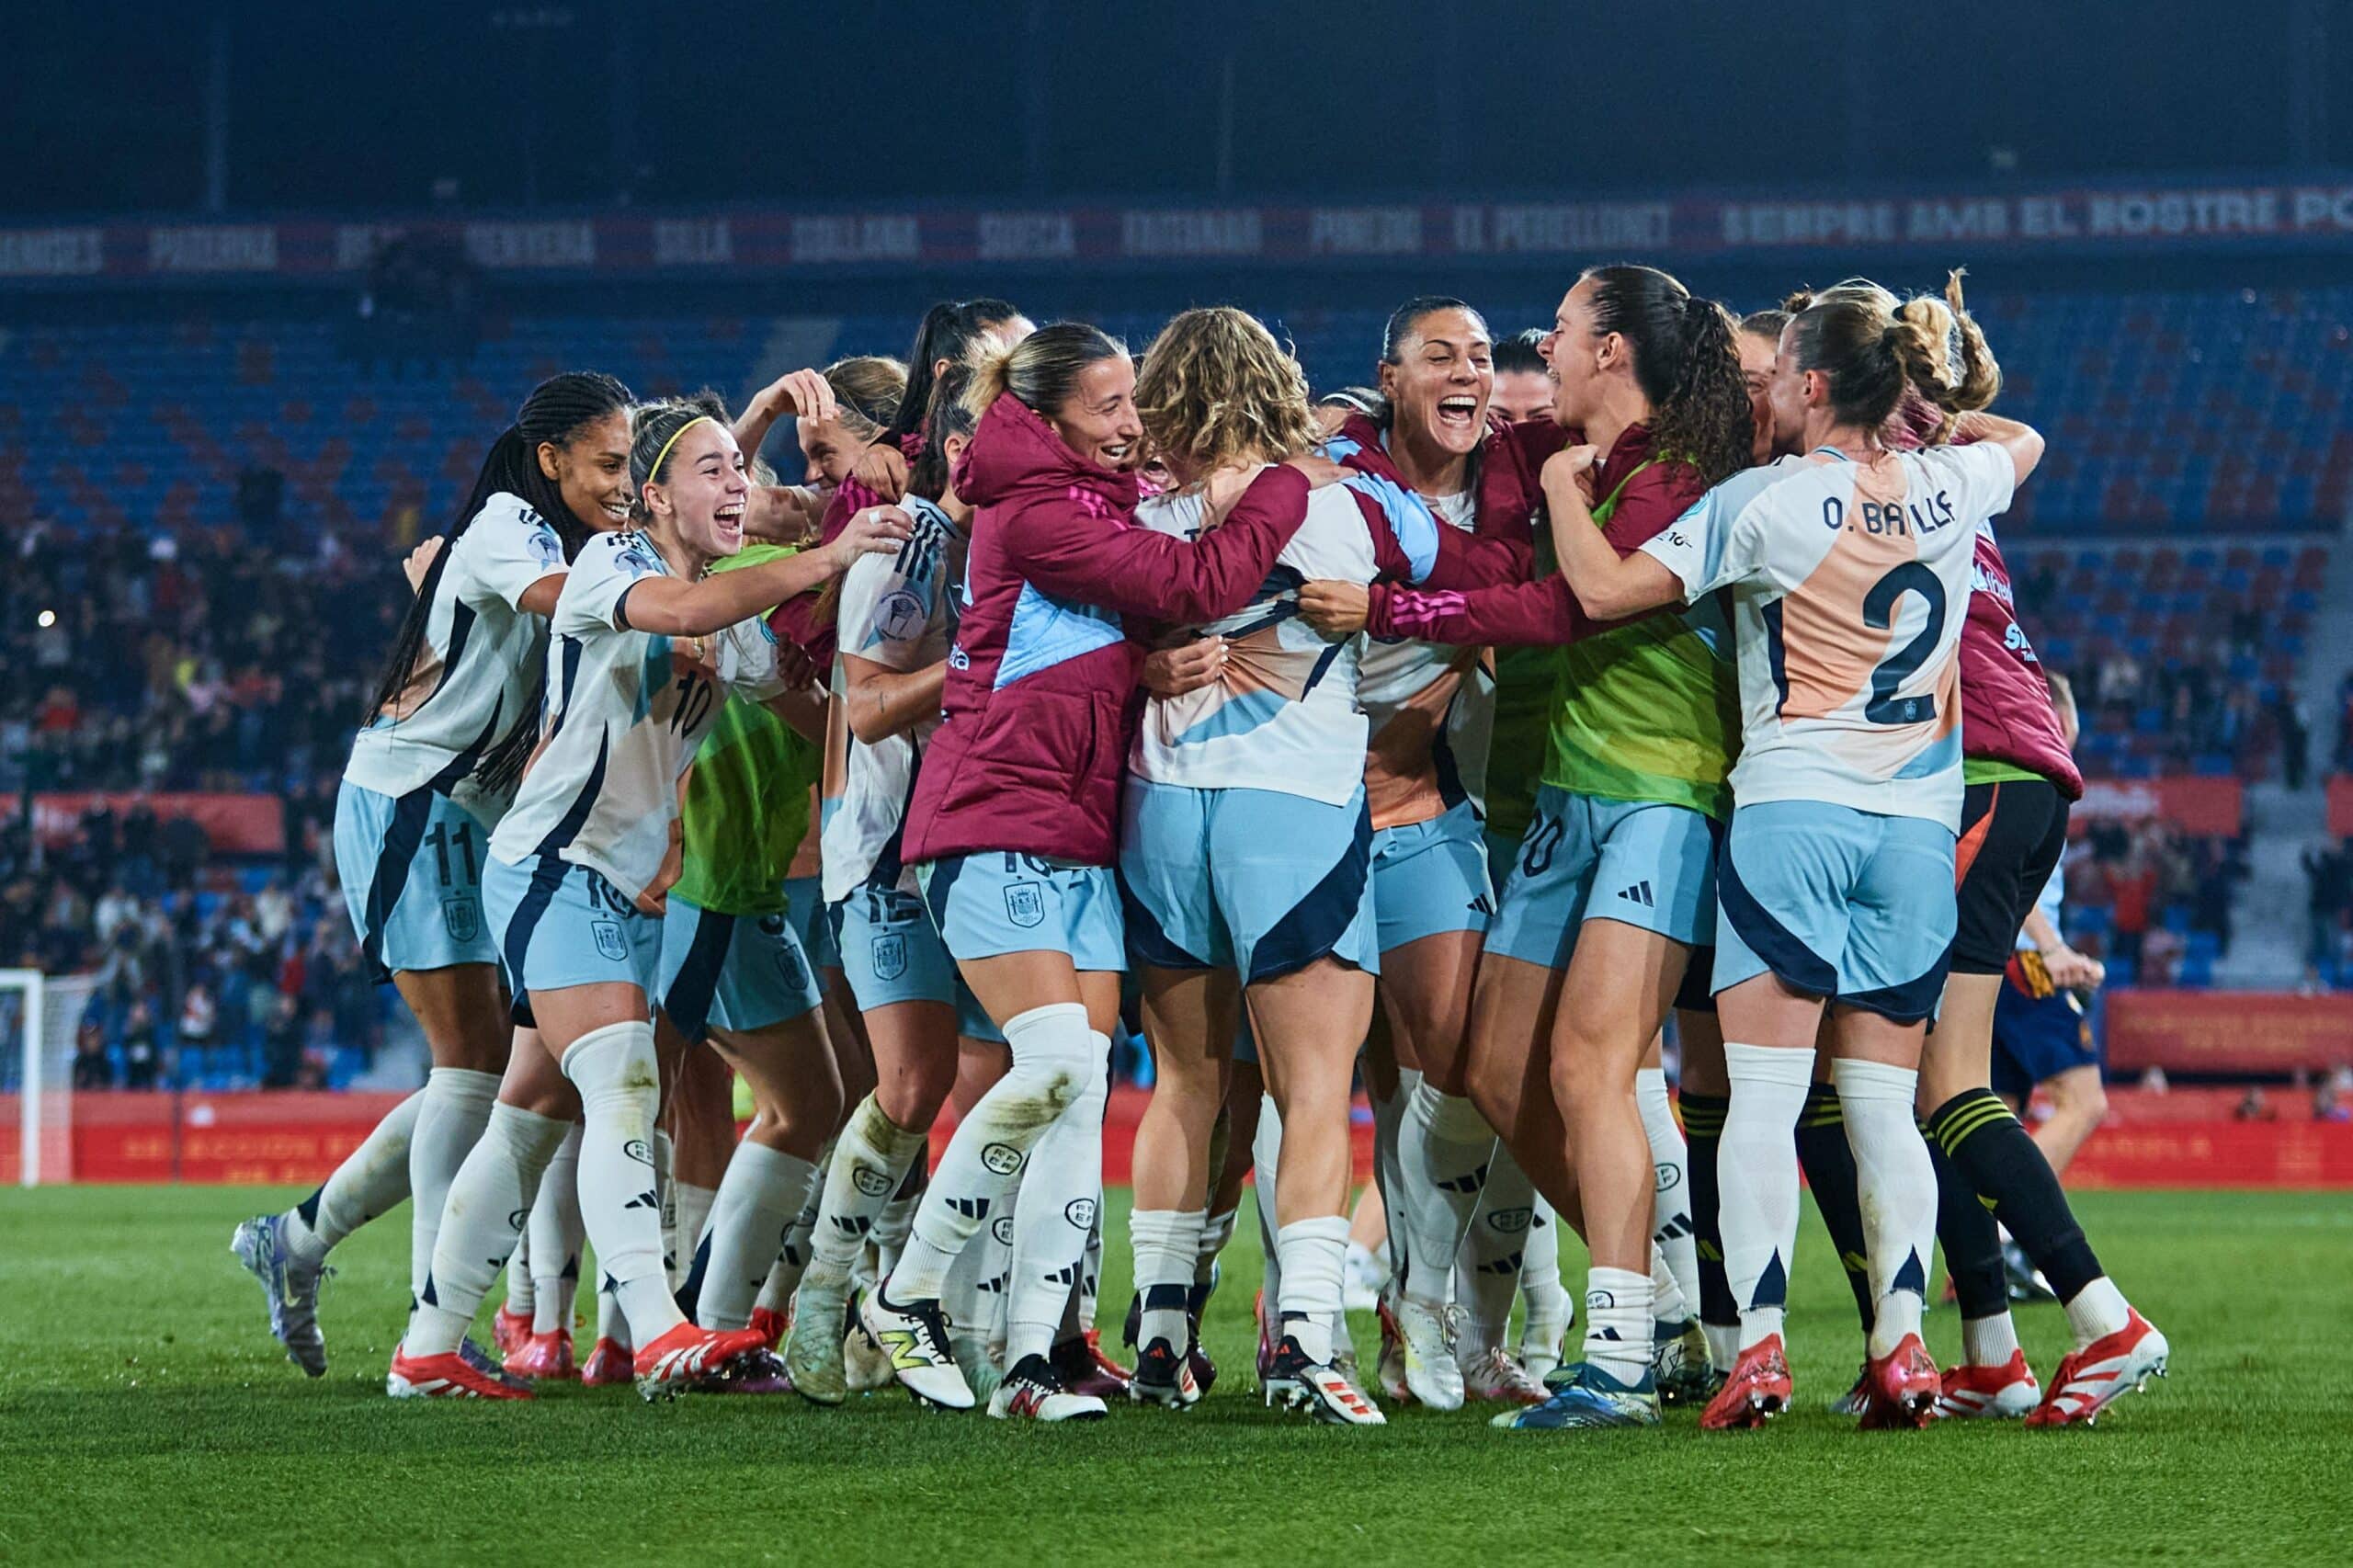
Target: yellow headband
[{"x": 663, "y": 456}]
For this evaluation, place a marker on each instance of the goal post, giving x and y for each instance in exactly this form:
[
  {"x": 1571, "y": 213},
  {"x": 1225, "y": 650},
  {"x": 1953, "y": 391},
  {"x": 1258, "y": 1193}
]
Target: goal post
[{"x": 45, "y": 1010}]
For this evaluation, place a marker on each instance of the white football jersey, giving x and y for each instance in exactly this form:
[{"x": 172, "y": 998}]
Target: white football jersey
[
  {"x": 625, "y": 710},
  {"x": 1850, "y": 584},
  {"x": 1431, "y": 713},
  {"x": 1283, "y": 715},
  {"x": 898, "y": 612},
  {"x": 472, "y": 681}
]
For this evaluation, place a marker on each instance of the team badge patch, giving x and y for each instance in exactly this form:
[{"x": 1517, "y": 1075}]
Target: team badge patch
[
  {"x": 1509, "y": 1221},
  {"x": 610, "y": 943},
  {"x": 463, "y": 918},
  {"x": 900, "y": 617},
  {"x": 889, "y": 956},
  {"x": 1025, "y": 904},
  {"x": 1002, "y": 1159}
]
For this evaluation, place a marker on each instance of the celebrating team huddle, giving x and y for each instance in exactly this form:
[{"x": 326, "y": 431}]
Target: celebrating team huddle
[{"x": 1382, "y": 741}]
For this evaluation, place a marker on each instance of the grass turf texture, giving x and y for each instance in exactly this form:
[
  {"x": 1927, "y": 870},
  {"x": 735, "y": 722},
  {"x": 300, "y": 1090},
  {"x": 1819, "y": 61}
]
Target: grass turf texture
[{"x": 145, "y": 1415}]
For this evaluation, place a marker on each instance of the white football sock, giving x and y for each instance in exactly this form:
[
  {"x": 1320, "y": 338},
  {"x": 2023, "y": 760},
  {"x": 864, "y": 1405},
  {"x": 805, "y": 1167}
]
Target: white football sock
[
  {"x": 1492, "y": 1255},
  {"x": 1167, "y": 1243},
  {"x": 372, "y": 1180},
  {"x": 1311, "y": 1253},
  {"x": 620, "y": 1092},
  {"x": 1618, "y": 1322},
  {"x": 871, "y": 1158},
  {"x": 763, "y": 1190},
  {"x": 522, "y": 1289},
  {"x": 556, "y": 1235},
  {"x": 1896, "y": 1186},
  {"x": 1388, "y": 1174},
  {"x": 1671, "y": 1201},
  {"x": 1265, "y": 1156},
  {"x": 1757, "y": 1174},
  {"x": 1216, "y": 1230},
  {"x": 1666, "y": 1295},
  {"x": 1989, "y": 1341},
  {"x": 1446, "y": 1156},
  {"x": 1550, "y": 1309},
  {"x": 891, "y": 1226},
  {"x": 490, "y": 1197},
  {"x": 1090, "y": 1262},
  {"x": 785, "y": 1277},
  {"x": 1054, "y": 1061},
  {"x": 456, "y": 1107},
  {"x": 686, "y": 1217},
  {"x": 1054, "y": 1213},
  {"x": 2098, "y": 1310}
]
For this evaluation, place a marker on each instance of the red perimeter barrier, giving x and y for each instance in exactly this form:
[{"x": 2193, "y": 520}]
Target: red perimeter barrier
[
  {"x": 2228, "y": 1031},
  {"x": 293, "y": 1139}
]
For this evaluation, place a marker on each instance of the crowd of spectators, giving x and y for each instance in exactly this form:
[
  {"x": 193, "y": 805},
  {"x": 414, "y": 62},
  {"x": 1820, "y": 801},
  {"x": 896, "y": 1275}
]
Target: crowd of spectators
[
  {"x": 186, "y": 660},
  {"x": 2152, "y": 901},
  {"x": 203, "y": 974},
  {"x": 166, "y": 661}
]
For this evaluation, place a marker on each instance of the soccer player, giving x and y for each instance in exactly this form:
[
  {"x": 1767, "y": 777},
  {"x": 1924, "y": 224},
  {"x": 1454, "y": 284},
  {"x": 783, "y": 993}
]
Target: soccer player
[
  {"x": 734, "y": 973},
  {"x": 1431, "y": 712},
  {"x": 1014, "y": 815},
  {"x": 896, "y": 621},
  {"x": 2014, "y": 830},
  {"x": 1246, "y": 858},
  {"x": 643, "y": 642},
  {"x": 428, "y": 778},
  {"x": 2041, "y": 1039},
  {"x": 1849, "y": 569},
  {"x": 1613, "y": 887}
]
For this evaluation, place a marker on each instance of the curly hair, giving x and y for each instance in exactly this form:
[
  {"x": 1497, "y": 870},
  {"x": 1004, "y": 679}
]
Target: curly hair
[
  {"x": 1686, "y": 364},
  {"x": 1215, "y": 389}
]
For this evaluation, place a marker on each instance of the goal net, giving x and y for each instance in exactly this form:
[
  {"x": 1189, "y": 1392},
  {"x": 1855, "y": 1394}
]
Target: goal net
[{"x": 39, "y": 1016}]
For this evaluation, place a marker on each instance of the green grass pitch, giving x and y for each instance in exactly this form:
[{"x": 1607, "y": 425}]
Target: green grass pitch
[{"x": 146, "y": 1417}]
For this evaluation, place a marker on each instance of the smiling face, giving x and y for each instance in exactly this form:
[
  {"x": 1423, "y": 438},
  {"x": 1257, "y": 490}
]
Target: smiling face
[
  {"x": 1439, "y": 384},
  {"x": 1582, "y": 362},
  {"x": 829, "y": 449},
  {"x": 1098, "y": 420},
  {"x": 591, "y": 470},
  {"x": 701, "y": 494}
]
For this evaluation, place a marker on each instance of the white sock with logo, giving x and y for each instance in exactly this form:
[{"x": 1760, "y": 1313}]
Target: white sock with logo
[
  {"x": 1618, "y": 1322},
  {"x": 620, "y": 1092},
  {"x": 870, "y": 1160},
  {"x": 1054, "y": 1061},
  {"x": 763, "y": 1190},
  {"x": 490, "y": 1198},
  {"x": 1053, "y": 1214},
  {"x": 1671, "y": 1197},
  {"x": 1492, "y": 1255},
  {"x": 1446, "y": 1156}
]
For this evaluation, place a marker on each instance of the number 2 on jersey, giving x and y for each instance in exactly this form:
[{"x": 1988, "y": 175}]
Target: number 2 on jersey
[
  {"x": 1891, "y": 673},
  {"x": 1879, "y": 614}
]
